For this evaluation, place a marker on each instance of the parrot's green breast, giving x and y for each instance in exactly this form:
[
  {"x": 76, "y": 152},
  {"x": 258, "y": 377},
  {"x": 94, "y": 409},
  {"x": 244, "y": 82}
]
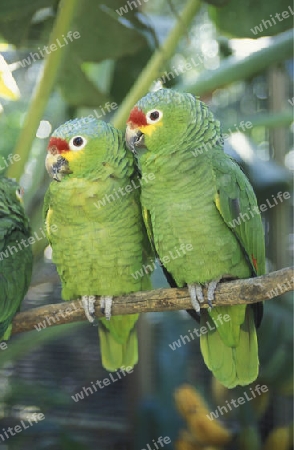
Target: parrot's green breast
[
  {"x": 98, "y": 243},
  {"x": 183, "y": 212}
]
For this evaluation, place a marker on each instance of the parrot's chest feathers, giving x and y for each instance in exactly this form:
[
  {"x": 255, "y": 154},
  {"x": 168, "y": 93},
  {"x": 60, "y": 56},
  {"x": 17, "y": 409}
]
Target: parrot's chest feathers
[
  {"x": 100, "y": 243},
  {"x": 185, "y": 216},
  {"x": 90, "y": 200}
]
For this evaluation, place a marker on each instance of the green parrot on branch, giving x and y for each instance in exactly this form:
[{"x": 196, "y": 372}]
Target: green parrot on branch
[
  {"x": 100, "y": 241},
  {"x": 199, "y": 197},
  {"x": 16, "y": 257}
]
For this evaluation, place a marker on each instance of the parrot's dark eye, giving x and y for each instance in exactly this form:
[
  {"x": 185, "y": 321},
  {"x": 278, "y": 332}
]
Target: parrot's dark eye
[
  {"x": 153, "y": 116},
  {"x": 77, "y": 143}
]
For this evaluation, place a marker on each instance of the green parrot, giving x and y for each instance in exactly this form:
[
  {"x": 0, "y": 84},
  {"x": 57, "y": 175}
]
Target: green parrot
[
  {"x": 16, "y": 257},
  {"x": 95, "y": 227},
  {"x": 203, "y": 219}
]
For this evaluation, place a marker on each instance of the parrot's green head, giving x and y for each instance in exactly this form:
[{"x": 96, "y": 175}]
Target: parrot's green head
[
  {"x": 11, "y": 203},
  {"x": 82, "y": 147},
  {"x": 167, "y": 119}
]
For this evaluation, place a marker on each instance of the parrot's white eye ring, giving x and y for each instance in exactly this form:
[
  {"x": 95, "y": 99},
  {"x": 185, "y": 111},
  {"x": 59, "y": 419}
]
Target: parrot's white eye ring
[
  {"x": 77, "y": 143},
  {"x": 153, "y": 116},
  {"x": 19, "y": 193}
]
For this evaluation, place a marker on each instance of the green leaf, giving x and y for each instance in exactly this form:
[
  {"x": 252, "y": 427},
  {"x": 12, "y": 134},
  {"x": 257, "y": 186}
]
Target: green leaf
[
  {"x": 16, "y": 18},
  {"x": 239, "y": 17},
  {"x": 104, "y": 35},
  {"x": 76, "y": 87}
]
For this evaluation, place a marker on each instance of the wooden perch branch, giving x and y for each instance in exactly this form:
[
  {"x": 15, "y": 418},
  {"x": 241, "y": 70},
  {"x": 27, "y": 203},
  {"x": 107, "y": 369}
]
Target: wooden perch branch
[{"x": 236, "y": 292}]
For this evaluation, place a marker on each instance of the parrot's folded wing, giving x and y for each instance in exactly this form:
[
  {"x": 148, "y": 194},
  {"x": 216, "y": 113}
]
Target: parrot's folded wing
[{"x": 236, "y": 203}]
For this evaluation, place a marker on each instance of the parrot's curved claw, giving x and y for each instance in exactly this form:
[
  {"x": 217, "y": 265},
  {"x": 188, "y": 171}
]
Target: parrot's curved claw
[
  {"x": 88, "y": 302},
  {"x": 105, "y": 305}
]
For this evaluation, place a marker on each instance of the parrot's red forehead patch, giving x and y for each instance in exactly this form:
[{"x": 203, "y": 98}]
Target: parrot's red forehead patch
[
  {"x": 137, "y": 117},
  {"x": 57, "y": 145}
]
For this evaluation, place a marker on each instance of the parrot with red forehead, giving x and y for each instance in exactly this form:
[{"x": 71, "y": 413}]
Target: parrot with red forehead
[
  {"x": 199, "y": 196},
  {"x": 99, "y": 241}
]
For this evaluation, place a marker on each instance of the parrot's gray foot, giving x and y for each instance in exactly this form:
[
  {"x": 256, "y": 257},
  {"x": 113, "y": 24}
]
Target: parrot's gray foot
[
  {"x": 88, "y": 302},
  {"x": 211, "y": 287},
  {"x": 196, "y": 295},
  {"x": 106, "y": 304}
]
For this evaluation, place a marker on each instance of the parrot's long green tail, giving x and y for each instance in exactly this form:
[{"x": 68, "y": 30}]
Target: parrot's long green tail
[
  {"x": 230, "y": 348},
  {"x": 118, "y": 349}
]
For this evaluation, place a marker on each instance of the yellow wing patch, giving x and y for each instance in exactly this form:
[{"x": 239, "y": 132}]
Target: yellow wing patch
[
  {"x": 48, "y": 220},
  {"x": 217, "y": 202}
]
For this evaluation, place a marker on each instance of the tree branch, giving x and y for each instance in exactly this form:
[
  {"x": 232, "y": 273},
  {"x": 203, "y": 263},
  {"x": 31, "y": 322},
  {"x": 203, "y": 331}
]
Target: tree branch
[
  {"x": 235, "y": 292},
  {"x": 235, "y": 69}
]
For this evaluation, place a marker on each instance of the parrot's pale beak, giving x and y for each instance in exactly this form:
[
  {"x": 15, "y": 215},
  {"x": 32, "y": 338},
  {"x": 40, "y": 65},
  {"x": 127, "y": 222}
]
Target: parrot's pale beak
[
  {"x": 134, "y": 139},
  {"x": 56, "y": 166}
]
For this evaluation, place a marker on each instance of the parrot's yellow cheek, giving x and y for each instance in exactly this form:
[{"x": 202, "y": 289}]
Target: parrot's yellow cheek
[
  {"x": 74, "y": 155},
  {"x": 149, "y": 129}
]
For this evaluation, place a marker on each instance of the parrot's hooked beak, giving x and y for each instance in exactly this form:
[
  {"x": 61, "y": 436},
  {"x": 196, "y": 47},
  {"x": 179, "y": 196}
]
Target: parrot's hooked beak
[
  {"x": 134, "y": 139},
  {"x": 57, "y": 166}
]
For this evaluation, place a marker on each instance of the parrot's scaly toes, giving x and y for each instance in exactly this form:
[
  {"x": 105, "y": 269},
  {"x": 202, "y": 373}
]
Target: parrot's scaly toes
[
  {"x": 106, "y": 304},
  {"x": 211, "y": 287},
  {"x": 196, "y": 295},
  {"x": 88, "y": 302}
]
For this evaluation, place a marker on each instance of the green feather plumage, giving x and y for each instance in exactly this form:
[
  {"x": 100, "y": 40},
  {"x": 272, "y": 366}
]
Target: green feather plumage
[
  {"x": 196, "y": 198},
  {"x": 16, "y": 258},
  {"x": 100, "y": 239}
]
